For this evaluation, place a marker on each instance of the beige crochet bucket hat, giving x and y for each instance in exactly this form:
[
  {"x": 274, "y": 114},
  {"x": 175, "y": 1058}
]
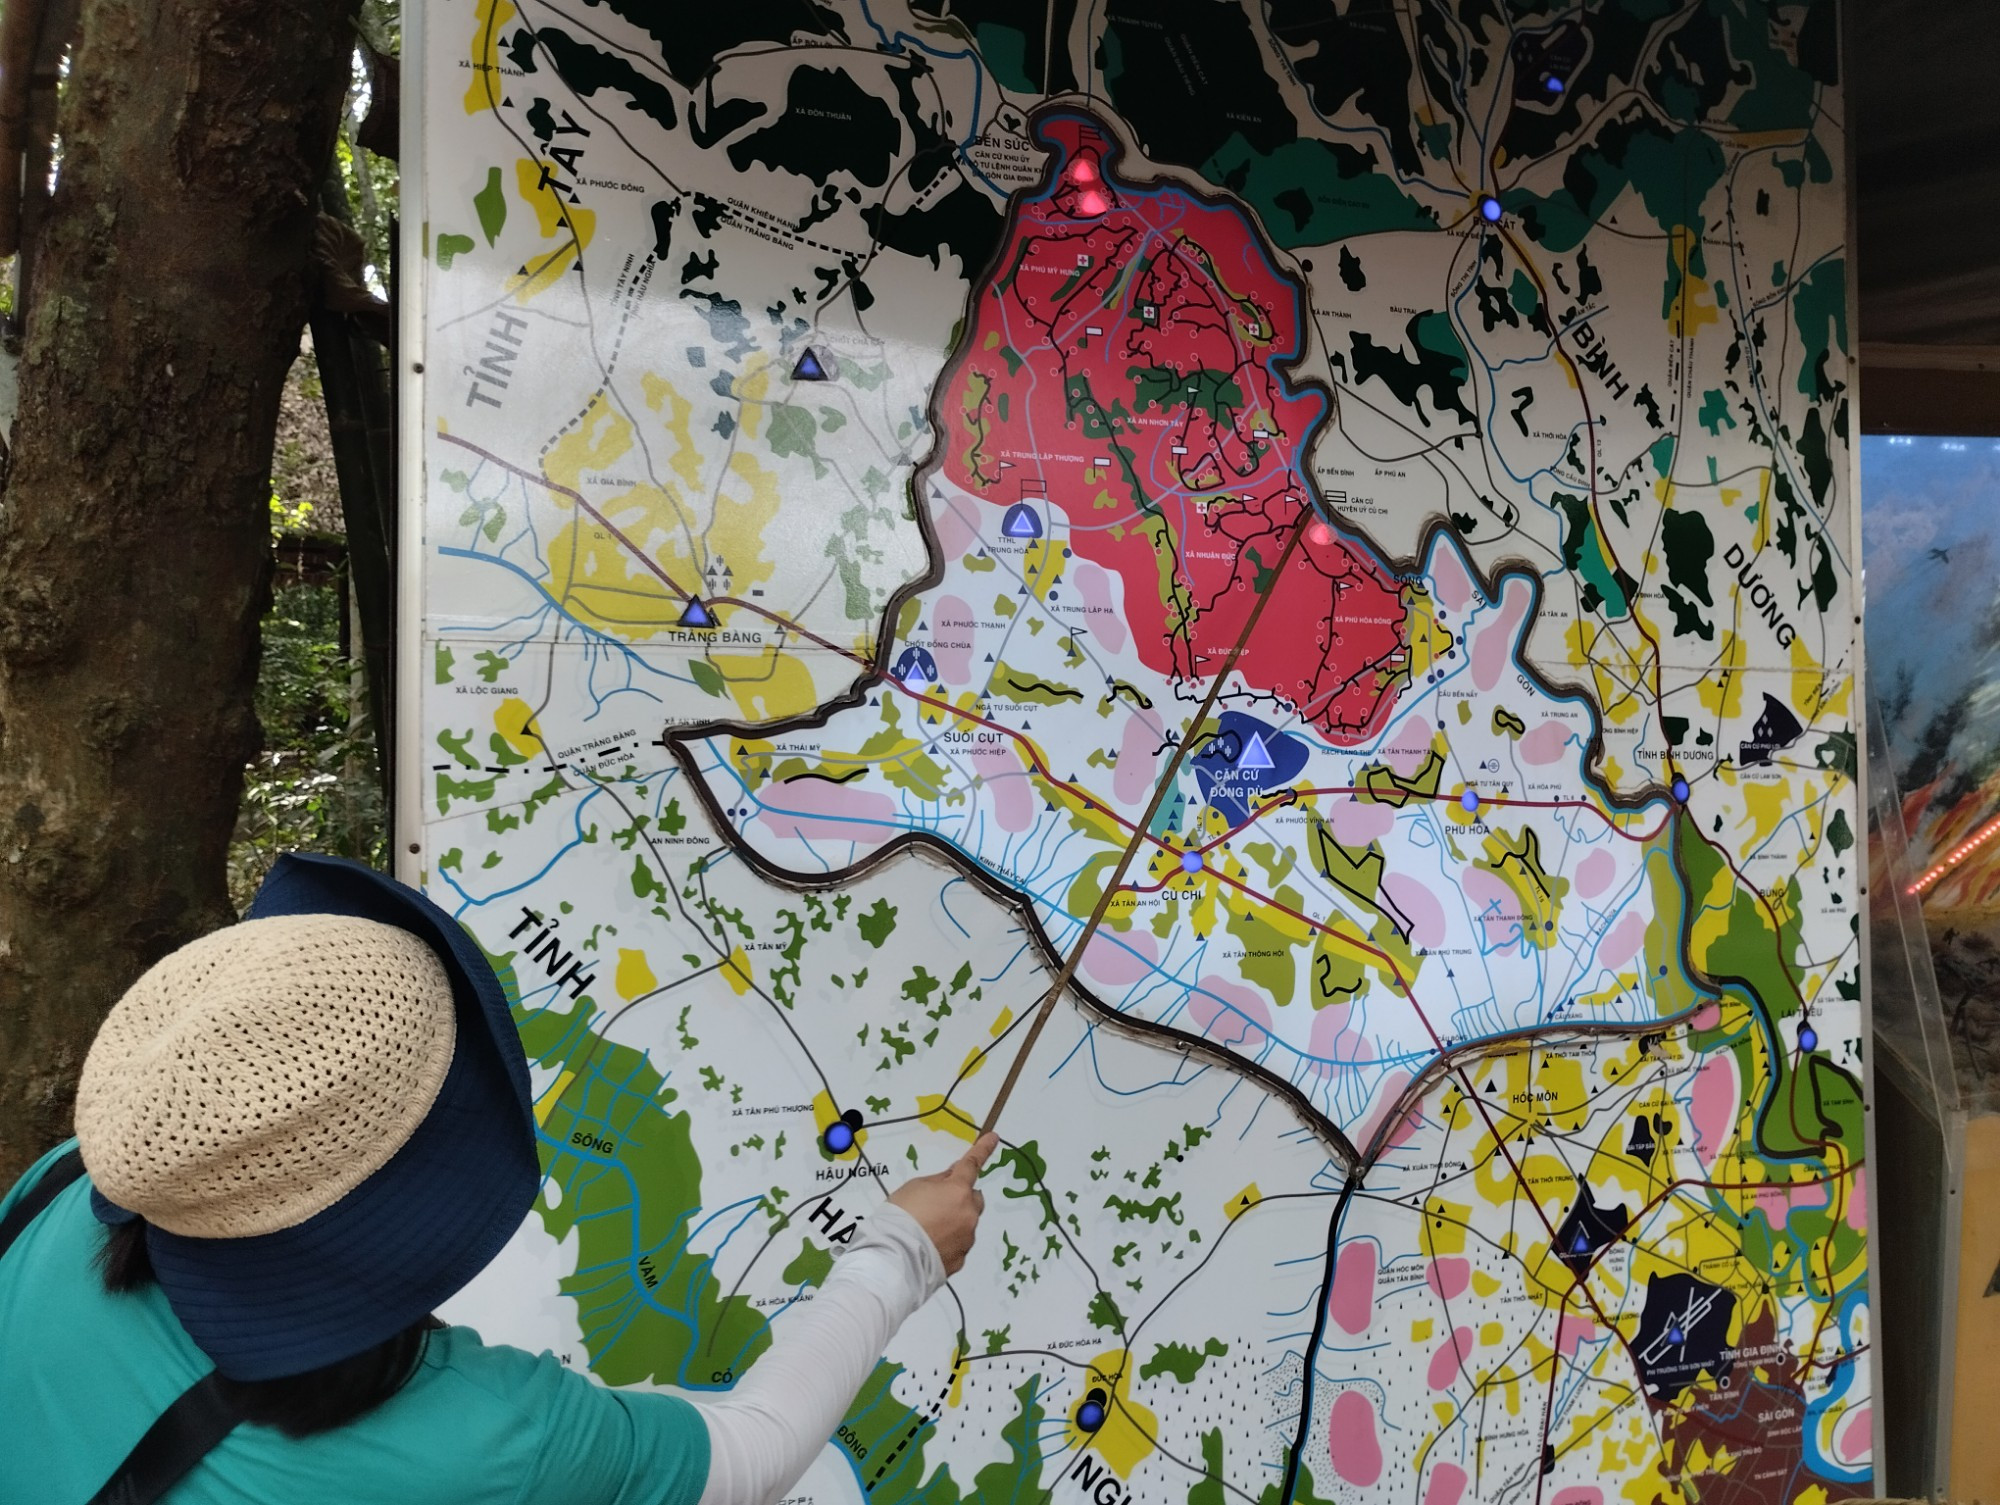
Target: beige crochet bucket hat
[
  {"x": 260, "y": 1074},
  {"x": 322, "y": 1114}
]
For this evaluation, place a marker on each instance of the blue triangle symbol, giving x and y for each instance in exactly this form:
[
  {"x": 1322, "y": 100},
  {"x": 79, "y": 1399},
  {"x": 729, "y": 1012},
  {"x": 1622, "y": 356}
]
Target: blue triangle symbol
[
  {"x": 1255, "y": 754},
  {"x": 696, "y": 615},
  {"x": 1021, "y": 522},
  {"x": 809, "y": 368}
]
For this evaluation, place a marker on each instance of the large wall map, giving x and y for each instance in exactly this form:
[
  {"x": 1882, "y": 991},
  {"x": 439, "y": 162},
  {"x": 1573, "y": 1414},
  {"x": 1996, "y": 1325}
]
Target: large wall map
[{"x": 871, "y": 446}]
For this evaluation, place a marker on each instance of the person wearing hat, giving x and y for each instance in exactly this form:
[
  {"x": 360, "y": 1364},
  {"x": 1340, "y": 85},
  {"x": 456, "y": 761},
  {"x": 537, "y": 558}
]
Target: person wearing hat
[{"x": 296, "y": 1137}]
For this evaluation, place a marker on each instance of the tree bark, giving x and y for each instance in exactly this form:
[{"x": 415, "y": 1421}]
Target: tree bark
[{"x": 172, "y": 284}]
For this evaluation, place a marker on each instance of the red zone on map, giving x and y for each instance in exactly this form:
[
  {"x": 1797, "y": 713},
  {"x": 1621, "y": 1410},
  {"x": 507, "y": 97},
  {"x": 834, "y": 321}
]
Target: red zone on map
[{"x": 1121, "y": 369}]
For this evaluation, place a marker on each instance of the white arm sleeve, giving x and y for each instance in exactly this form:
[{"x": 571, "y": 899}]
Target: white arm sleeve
[{"x": 765, "y": 1432}]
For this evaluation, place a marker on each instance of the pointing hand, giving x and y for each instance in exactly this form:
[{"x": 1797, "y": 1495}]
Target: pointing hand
[{"x": 947, "y": 1205}]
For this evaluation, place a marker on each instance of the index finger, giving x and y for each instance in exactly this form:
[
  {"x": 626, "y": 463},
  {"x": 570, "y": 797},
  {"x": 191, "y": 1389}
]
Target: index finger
[{"x": 975, "y": 1158}]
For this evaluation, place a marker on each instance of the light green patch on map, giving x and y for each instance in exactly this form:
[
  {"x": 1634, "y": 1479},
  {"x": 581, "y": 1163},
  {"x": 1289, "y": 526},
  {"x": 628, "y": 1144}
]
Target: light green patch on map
[
  {"x": 792, "y": 432},
  {"x": 490, "y": 203},
  {"x": 491, "y": 665},
  {"x": 1009, "y": 683},
  {"x": 459, "y": 745},
  {"x": 1517, "y": 862},
  {"x": 443, "y": 662},
  {"x": 877, "y": 923},
  {"x": 1267, "y": 960},
  {"x": 707, "y": 677},
  {"x": 1662, "y": 455},
  {"x": 1104, "y": 1313},
  {"x": 1181, "y": 1361},
  {"x": 450, "y": 248},
  {"x": 1715, "y": 411},
  {"x": 1521, "y": 293},
  {"x": 811, "y": 1267}
]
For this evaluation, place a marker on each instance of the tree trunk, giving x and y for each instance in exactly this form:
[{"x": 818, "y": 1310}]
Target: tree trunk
[{"x": 171, "y": 287}]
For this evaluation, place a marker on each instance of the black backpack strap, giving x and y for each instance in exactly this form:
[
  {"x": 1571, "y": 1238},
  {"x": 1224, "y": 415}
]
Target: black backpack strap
[
  {"x": 55, "y": 1180},
  {"x": 185, "y": 1433},
  {"x": 187, "y": 1430}
]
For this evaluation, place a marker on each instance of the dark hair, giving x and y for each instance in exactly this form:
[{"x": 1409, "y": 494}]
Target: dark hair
[{"x": 300, "y": 1404}]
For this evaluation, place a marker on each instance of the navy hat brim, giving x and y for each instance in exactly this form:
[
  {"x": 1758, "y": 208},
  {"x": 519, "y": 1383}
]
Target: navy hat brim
[{"x": 391, "y": 1251}]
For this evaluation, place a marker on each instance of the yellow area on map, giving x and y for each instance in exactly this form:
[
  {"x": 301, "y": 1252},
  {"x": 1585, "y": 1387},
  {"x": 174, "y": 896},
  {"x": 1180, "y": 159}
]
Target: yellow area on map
[
  {"x": 954, "y": 1120},
  {"x": 1126, "y": 1438},
  {"x": 736, "y": 971},
  {"x": 662, "y": 394},
  {"x": 1428, "y": 639},
  {"x": 484, "y": 92},
  {"x": 1242, "y": 1202},
  {"x": 1690, "y": 312},
  {"x": 634, "y": 975},
  {"x": 825, "y": 1114},
  {"x": 545, "y": 1104},
  {"x": 514, "y": 719},
  {"x": 554, "y": 216}
]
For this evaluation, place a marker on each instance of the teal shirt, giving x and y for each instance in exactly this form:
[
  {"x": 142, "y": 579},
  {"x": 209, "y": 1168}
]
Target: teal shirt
[{"x": 84, "y": 1373}]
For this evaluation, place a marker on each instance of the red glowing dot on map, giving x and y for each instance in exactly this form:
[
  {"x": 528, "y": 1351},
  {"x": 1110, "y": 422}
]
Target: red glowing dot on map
[
  {"x": 1092, "y": 202},
  {"x": 1084, "y": 171},
  {"x": 1319, "y": 535}
]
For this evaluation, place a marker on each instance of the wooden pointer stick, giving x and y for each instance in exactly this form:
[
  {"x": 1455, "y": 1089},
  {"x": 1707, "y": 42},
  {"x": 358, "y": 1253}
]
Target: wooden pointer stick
[{"x": 1117, "y": 878}]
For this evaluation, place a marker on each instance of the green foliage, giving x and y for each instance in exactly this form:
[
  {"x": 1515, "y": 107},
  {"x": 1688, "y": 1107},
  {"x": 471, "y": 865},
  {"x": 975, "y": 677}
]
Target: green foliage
[{"x": 314, "y": 787}]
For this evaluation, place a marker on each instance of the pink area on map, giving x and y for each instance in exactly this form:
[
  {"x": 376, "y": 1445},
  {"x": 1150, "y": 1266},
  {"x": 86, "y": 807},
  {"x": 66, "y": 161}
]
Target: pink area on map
[
  {"x": 1446, "y": 1486},
  {"x": 1419, "y": 905},
  {"x": 1854, "y": 1438},
  {"x": 1138, "y": 759},
  {"x": 1572, "y": 1331},
  {"x": 1594, "y": 874},
  {"x": 957, "y": 528},
  {"x": 1624, "y": 941},
  {"x": 1012, "y": 789},
  {"x": 1119, "y": 959},
  {"x": 1386, "y": 1095},
  {"x": 1547, "y": 743},
  {"x": 1408, "y": 746},
  {"x": 1714, "y": 1106},
  {"x": 1451, "y": 1354},
  {"x": 815, "y": 810},
  {"x": 1355, "y": 824},
  {"x": 1857, "y": 1200},
  {"x": 1330, "y": 1038},
  {"x": 1241, "y": 1029},
  {"x": 1777, "y": 1202},
  {"x": 1707, "y": 1016},
  {"x": 1449, "y": 1277},
  {"x": 1449, "y": 582},
  {"x": 1094, "y": 585},
  {"x": 1350, "y": 1437},
  {"x": 1579, "y": 1494},
  {"x": 1496, "y": 905},
  {"x": 953, "y": 632},
  {"x": 1351, "y": 1302},
  {"x": 1492, "y": 649}
]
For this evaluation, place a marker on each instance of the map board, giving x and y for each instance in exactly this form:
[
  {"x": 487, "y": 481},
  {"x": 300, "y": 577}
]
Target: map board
[{"x": 870, "y": 449}]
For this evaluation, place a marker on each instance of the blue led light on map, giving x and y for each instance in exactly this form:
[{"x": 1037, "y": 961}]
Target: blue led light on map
[
  {"x": 1490, "y": 210},
  {"x": 1090, "y": 1415},
  {"x": 838, "y": 1137},
  {"x": 1469, "y": 801},
  {"x": 1808, "y": 1038},
  {"x": 1190, "y": 862},
  {"x": 1681, "y": 790},
  {"x": 1554, "y": 85}
]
